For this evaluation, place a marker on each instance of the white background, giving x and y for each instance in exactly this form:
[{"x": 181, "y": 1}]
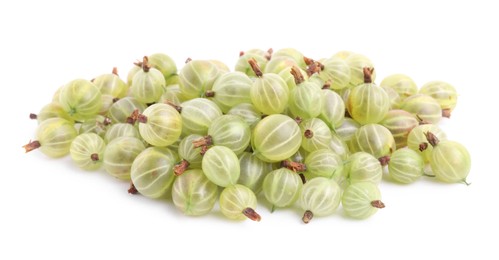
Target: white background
[{"x": 51, "y": 210}]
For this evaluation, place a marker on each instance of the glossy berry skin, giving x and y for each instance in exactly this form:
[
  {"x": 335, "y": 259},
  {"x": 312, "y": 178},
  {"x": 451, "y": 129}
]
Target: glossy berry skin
[
  {"x": 253, "y": 171},
  {"x": 450, "y": 162},
  {"x": 162, "y": 125},
  {"x": 231, "y": 89},
  {"x": 417, "y": 137},
  {"x": 358, "y": 199},
  {"x": 235, "y": 200},
  {"x": 81, "y": 99},
  {"x": 148, "y": 85},
  {"x": 400, "y": 123},
  {"x": 120, "y": 130},
  {"x": 424, "y": 107},
  {"x": 247, "y": 112},
  {"x": 123, "y": 108},
  {"x": 368, "y": 103},
  {"x": 269, "y": 94},
  {"x": 276, "y": 138},
  {"x": 333, "y": 109},
  {"x": 362, "y": 166},
  {"x": 321, "y": 196},
  {"x": 444, "y": 93},
  {"x": 120, "y": 154},
  {"x": 221, "y": 166},
  {"x": 406, "y": 166},
  {"x": 282, "y": 187},
  {"x": 55, "y": 136},
  {"x": 374, "y": 139},
  {"x": 324, "y": 163},
  {"x": 187, "y": 151},
  {"x": 357, "y": 63},
  {"x": 315, "y": 134},
  {"x": 193, "y": 194},
  {"x": 164, "y": 63},
  {"x": 152, "y": 171},
  {"x": 230, "y": 131},
  {"x": 112, "y": 85},
  {"x": 401, "y": 83},
  {"x": 51, "y": 110},
  {"x": 306, "y": 100},
  {"x": 337, "y": 72},
  {"x": 197, "y": 115},
  {"x": 87, "y": 151},
  {"x": 196, "y": 77}
]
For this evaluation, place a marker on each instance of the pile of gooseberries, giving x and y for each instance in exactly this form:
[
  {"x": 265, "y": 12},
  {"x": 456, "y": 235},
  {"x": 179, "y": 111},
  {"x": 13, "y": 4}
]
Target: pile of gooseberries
[{"x": 316, "y": 135}]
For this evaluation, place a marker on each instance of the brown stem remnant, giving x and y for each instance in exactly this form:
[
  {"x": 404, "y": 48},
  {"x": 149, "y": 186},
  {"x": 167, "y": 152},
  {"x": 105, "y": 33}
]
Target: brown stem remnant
[
  {"x": 307, "y": 216},
  {"x": 295, "y": 71},
  {"x": 177, "y": 107},
  {"x": 423, "y": 146},
  {"x": 422, "y": 121},
  {"x": 384, "y": 160},
  {"x": 115, "y": 99},
  {"x": 241, "y": 53},
  {"x": 209, "y": 93},
  {"x": 368, "y": 72},
  {"x": 94, "y": 157},
  {"x": 132, "y": 189},
  {"x": 107, "y": 121},
  {"x": 432, "y": 139},
  {"x": 302, "y": 177},
  {"x": 254, "y": 66},
  {"x": 145, "y": 64},
  {"x": 314, "y": 67},
  {"x": 204, "y": 141},
  {"x": 377, "y": 204},
  {"x": 251, "y": 214},
  {"x": 32, "y": 145},
  {"x": 115, "y": 71},
  {"x": 308, "y": 134},
  {"x": 133, "y": 117},
  {"x": 298, "y": 120},
  {"x": 308, "y": 60},
  {"x": 204, "y": 149},
  {"x": 188, "y": 60},
  {"x": 294, "y": 166},
  {"x": 327, "y": 85},
  {"x": 181, "y": 167},
  {"x": 269, "y": 53},
  {"x": 33, "y": 116},
  {"x": 446, "y": 112},
  {"x": 142, "y": 118}
]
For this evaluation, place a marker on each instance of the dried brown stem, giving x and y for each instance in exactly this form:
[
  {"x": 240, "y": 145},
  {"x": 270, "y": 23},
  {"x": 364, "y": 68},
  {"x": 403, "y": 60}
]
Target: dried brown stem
[
  {"x": 33, "y": 116},
  {"x": 368, "y": 72},
  {"x": 94, "y": 157},
  {"x": 294, "y": 166},
  {"x": 302, "y": 177},
  {"x": 115, "y": 71},
  {"x": 384, "y": 160},
  {"x": 132, "y": 189},
  {"x": 241, "y": 53},
  {"x": 423, "y": 146},
  {"x": 251, "y": 214},
  {"x": 315, "y": 67},
  {"x": 308, "y": 61},
  {"x": 432, "y": 139},
  {"x": 446, "y": 113},
  {"x": 204, "y": 149},
  {"x": 142, "y": 118},
  {"x": 204, "y": 141},
  {"x": 377, "y": 204},
  {"x": 307, "y": 216},
  {"x": 145, "y": 64},
  {"x": 254, "y": 66},
  {"x": 308, "y": 134},
  {"x": 188, "y": 60},
  {"x": 32, "y": 145},
  {"x": 327, "y": 85},
  {"x": 295, "y": 71},
  {"x": 422, "y": 121},
  {"x": 115, "y": 99},
  {"x": 181, "y": 167},
  {"x": 133, "y": 117},
  {"x": 177, "y": 107},
  {"x": 269, "y": 53},
  {"x": 209, "y": 93},
  {"x": 298, "y": 120}
]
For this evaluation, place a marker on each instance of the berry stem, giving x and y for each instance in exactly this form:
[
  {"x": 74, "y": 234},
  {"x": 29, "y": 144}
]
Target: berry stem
[
  {"x": 294, "y": 166},
  {"x": 254, "y": 66},
  {"x": 302, "y": 177},
  {"x": 269, "y": 53},
  {"x": 115, "y": 71},
  {"x": 432, "y": 139},
  {"x": 251, "y": 214},
  {"x": 177, "y": 107},
  {"x": 423, "y": 146},
  {"x": 145, "y": 64},
  {"x": 188, "y": 60},
  {"x": 133, "y": 117},
  {"x": 180, "y": 168},
  {"x": 295, "y": 71},
  {"x": 204, "y": 141},
  {"x": 32, "y": 145},
  {"x": 368, "y": 72},
  {"x": 466, "y": 182},
  {"x": 446, "y": 113},
  {"x": 384, "y": 160},
  {"x": 209, "y": 93},
  {"x": 298, "y": 120},
  {"x": 327, "y": 85},
  {"x": 94, "y": 157},
  {"x": 33, "y": 116},
  {"x": 307, "y": 216},
  {"x": 142, "y": 118},
  {"x": 308, "y": 134},
  {"x": 132, "y": 189},
  {"x": 377, "y": 204}
]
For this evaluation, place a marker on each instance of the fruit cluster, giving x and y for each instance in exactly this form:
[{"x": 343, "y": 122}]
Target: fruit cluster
[{"x": 315, "y": 133}]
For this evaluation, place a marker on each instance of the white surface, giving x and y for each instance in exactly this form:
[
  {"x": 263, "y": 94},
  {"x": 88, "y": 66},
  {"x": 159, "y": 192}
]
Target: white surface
[{"x": 51, "y": 210}]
